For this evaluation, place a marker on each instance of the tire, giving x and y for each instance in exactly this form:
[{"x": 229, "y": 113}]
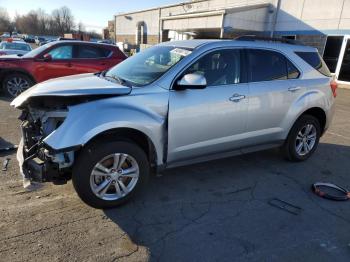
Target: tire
[
  {"x": 89, "y": 182},
  {"x": 296, "y": 140},
  {"x": 15, "y": 83}
]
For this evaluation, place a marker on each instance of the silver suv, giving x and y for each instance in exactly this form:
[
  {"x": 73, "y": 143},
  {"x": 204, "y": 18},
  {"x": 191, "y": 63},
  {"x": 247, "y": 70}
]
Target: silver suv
[{"x": 173, "y": 104}]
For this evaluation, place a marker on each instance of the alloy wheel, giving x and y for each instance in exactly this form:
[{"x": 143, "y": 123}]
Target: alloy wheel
[
  {"x": 306, "y": 139},
  {"x": 16, "y": 85},
  {"x": 114, "y": 176}
]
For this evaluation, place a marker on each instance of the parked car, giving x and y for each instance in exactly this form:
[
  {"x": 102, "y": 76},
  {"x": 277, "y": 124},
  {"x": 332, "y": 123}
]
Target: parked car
[
  {"x": 170, "y": 105},
  {"x": 106, "y": 41},
  {"x": 56, "y": 59},
  {"x": 12, "y": 47},
  {"x": 47, "y": 41},
  {"x": 29, "y": 39},
  {"x": 65, "y": 38},
  {"x": 39, "y": 40},
  {"x": 5, "y": 35}
]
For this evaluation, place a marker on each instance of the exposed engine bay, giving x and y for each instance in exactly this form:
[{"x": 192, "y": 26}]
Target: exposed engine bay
[{"x": 40, "y": 163}]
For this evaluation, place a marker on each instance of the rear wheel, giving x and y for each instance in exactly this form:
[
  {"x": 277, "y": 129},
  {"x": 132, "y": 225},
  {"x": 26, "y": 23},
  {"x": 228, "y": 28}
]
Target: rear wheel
[
  {"x": 15, "y": 83},
  {"x": 303, "y": 138},
  {"x": 107, "y": 174}
]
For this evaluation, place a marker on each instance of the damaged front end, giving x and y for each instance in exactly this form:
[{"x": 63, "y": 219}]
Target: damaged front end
[
  {"x": 38, "y": 162},
  {"x": 45, "y": 107}
]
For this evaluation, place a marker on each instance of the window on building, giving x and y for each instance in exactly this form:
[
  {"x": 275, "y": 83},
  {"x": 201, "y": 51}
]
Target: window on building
[
  {"x": 291, "y": 37},
  {"x": 220, "y": 67},
  {"x": 332, "y": 51}
]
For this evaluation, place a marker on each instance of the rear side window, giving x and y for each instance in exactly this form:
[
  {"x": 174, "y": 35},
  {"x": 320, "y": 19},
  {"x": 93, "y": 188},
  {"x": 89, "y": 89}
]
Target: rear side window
[
  {"x": 314, "y": 60},
  {"x": 293, "y": 72},
  {"x": 265, "y": 65},
  {"x": 87, "y": 51}
]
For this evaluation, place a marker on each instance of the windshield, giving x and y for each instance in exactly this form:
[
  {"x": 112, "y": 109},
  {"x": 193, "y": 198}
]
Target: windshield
[
  {"x": 15, "y": 46},
  {"x": 148, "y": 65},
  {"x": 38, "y": 50}
]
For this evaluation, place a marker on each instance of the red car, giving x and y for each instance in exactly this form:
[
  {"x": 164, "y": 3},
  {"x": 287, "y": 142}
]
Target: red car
[{"x": 55, "y": 59}]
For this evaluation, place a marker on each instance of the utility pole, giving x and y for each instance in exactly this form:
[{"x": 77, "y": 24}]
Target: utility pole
[{"x": 274, "y": 22}]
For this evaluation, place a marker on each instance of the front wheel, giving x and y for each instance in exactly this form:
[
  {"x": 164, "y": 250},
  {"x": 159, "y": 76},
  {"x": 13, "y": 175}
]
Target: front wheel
[
  {"x": 16, "y": 83},
  {"x": 303, "y": 139},
  {"x": 107, "y": 174}
]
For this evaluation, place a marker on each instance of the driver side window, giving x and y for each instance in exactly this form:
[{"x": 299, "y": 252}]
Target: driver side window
[
  {"x": 62, "y": 52},
  {"x": 220, "y": 67}
]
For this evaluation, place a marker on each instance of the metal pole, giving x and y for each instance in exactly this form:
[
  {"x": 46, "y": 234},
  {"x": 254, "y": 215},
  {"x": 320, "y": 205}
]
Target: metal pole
[
  {"x": 274, "y": 22},
  {"x": 222, "y": 26}
]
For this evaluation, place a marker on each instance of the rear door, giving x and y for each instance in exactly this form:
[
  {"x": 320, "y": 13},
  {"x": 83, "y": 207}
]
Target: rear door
[
  {"x": 91, "y": 58},
  {"x": 211, "y": 120},
  {"x": 274, "y": 86}
]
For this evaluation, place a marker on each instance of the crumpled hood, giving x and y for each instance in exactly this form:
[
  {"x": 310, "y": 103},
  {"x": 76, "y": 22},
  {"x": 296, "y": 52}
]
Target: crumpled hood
[{"x": 75, "y": 86}]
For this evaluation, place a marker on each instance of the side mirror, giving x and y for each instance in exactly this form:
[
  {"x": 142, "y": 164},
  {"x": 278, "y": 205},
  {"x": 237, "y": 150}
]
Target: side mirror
[
  {"x": 191, "y": 81},
  {"x": 47, "y": 57}
]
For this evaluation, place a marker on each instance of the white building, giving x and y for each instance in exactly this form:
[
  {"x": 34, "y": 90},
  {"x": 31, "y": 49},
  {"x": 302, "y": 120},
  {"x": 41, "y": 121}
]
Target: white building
[{"x": 324, "y": 24}]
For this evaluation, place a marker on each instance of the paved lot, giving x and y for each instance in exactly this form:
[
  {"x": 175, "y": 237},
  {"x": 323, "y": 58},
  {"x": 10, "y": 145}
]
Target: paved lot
[{"x": 216, "y": 211}]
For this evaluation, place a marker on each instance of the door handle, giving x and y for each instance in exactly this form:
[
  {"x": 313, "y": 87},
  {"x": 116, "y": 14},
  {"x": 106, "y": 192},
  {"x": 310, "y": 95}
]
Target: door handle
[
  {"x": 293, "y": 88},
  {"x": 236, "y": 98},
  {"x": 69, "y": 65}
]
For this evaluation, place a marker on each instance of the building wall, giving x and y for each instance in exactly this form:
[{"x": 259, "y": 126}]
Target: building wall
[
  {"x": 318, "y": 41},
  {"x": 126, "y": 26},
  {"x": 323, "y": 16},
  {"x": 209, "y": 5},
  {"x": 310, "y": 20},
  {"x": 212, "y": 21},
  {"x": 250, "y": 20},
  {"x": 111, "y": 29}
]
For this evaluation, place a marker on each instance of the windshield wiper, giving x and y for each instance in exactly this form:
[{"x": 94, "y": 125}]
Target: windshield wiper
[{"x": 119, "y": 79}]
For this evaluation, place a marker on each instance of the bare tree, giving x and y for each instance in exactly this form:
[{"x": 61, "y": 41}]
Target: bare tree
[
  {"x": 38, "y": 22},
  {"x": 5, "y": 23},
  {"x": 64, "y": 20},
  {"x": 43, "y": 21},
  {"x": 28, "y": 23},
  {"x": 81, "y": 27}
]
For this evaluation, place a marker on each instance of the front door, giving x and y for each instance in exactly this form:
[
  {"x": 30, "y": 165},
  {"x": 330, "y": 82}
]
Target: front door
[
  {"x": 211, "y": 120},
  {"x": 60, "y": 65}
]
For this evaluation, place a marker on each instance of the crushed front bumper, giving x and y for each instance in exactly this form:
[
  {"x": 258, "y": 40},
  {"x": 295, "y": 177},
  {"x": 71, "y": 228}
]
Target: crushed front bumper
[{"x": 36, "y": 169}]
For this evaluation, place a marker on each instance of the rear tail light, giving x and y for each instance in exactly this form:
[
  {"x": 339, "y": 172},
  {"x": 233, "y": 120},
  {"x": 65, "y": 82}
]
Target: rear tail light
[{"x": 334, "y": 87}]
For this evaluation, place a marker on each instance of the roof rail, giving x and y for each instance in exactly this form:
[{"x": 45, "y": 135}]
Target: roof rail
[{"x": 270, "y": 39}]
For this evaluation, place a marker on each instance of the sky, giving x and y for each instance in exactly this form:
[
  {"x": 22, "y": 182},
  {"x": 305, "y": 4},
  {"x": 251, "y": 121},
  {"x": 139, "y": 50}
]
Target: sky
[{"x": 93, "y": 14}]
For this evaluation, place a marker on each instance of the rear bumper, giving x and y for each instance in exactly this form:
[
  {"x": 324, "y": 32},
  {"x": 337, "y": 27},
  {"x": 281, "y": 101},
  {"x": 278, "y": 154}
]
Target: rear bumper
[{"x": 329, "y": 116}]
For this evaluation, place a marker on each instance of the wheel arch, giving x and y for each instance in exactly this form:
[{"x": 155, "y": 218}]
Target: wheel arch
[
  {"x": 5, "y": 72},
  {"x": 129, "y": 134},
  {"x": 319, "y": 114}
]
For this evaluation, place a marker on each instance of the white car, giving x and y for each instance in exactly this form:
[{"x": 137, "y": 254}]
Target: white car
[{"x": 10, "y": 47}]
